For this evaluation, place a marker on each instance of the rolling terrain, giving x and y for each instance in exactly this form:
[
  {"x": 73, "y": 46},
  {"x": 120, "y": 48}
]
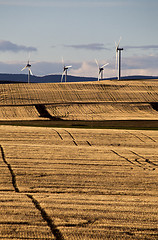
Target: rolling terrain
[
  {"x": 75, "y": 182},
  {"x": 93, "y": 101}
]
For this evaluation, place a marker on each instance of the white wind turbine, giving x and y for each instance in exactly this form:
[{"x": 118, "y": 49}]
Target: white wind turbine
[
  {"x": 101, "y": 69},
  {"x": 28, "y": 66},
  {"x": 65, "y": 70},
  {"x": 118, "y": 58}
]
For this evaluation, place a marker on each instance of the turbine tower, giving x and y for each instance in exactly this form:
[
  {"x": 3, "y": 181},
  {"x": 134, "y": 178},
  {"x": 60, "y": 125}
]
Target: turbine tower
[
  {"x": 101, "y": 69},
  {"x": 118, "y": 58},
  {"x": 65, "y": 70},
  {"x": 28, "y": 65}
]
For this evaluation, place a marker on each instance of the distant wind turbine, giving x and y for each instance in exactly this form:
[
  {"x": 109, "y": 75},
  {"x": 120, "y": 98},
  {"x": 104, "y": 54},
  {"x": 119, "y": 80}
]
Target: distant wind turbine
[
  {"x": 101, "y": 69},
  {"x": 65, "y": 70},
  {"x": 118, "y": 58},
  {"x": 28, "y": 66}
]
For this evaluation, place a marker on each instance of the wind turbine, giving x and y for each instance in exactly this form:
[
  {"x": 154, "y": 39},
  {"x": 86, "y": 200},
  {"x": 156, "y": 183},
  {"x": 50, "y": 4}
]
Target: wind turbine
[
  {"x": 118, "y": 58},
  {"x": 65, "y": 70},
  {"x": 101, "y": 69},
  {"x": 28, "y": 65}
]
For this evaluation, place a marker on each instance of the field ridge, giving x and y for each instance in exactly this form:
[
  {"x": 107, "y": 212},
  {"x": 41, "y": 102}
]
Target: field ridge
[{"x": 97, "y": 101}]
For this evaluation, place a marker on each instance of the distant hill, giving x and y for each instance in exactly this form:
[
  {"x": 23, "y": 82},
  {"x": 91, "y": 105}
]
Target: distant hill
[{"x": 22, "y": 78}]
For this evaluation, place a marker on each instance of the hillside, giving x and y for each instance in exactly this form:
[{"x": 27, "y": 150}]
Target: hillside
[
  {"x": 56, "y": 78},
  {"x": 106, "y": 100},
  {"x": 52, "y": 78}
]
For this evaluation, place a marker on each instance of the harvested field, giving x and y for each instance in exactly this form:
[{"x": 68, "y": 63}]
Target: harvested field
[
  {"x": 96, "y": 101},
  {"x": 71, "y": 183},
  {"x": 59, "y": 183}
]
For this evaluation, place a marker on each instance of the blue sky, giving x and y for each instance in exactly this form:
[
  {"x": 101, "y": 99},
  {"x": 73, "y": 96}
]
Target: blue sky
[{"x": 80, "y": 32}]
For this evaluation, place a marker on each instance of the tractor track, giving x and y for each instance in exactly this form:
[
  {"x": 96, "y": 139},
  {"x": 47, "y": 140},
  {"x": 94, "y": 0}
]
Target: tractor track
[
  {"x": 143, "y": 137},
  {"x": 58, "y": 134},
  {"x": 137, "y": 137},
  {"x": 146, "y": 159},
  {"x": 55, "y": 231},
  {"x": 73, "y": 139},
  {"x": 122, "y": 157},
  {"x": 71, "y": 136},
  {"x": 137, "y": 161},
  {"x": 149, "y": 137},
  {"x": 13, "y": 176}
]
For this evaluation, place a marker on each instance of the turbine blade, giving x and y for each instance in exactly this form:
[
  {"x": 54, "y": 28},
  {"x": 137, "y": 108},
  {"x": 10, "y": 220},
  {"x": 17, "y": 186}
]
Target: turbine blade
[
  {"x": 68, "y": 66},
  {"x": 96, "y": 62},
  {"x": 119, "y": 42},
  {"x": 62, "y": 76},
  {"x": 105, "y": 65},
  {"x": 23, "y": 68},
  {"x": 30, "y": 71}
]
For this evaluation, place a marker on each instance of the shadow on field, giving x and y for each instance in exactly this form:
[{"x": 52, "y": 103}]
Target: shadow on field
[
  {"x": 107, "y": 124},
  {"x": 44, "y": 112}
]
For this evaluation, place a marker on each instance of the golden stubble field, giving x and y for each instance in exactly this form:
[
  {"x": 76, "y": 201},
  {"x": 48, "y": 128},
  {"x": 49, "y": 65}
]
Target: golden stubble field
[
  {"x": 104, "y": 100},
  {"x": 68, "y": 183}
]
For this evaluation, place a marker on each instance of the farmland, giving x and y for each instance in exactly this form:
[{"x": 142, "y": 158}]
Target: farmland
[
  {"x": 78, "y": 183},
  {"x": 107, "y": 100}
]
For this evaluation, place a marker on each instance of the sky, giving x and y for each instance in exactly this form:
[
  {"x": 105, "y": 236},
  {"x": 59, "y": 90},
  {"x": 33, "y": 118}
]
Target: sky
[{"x": 45, "y": 31}]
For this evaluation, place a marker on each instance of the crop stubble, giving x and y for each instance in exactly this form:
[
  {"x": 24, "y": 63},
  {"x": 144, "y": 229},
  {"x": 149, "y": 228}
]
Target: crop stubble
[
  {"x": 80, "y": 101},
  {"x": 90, "y": 184}
]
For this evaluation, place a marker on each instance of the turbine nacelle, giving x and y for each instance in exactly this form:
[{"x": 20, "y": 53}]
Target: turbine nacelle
[
  {"x": 66, "y": 68},
  {"x": 119, "y": 49},
  {"x": 28, "y": 65}
]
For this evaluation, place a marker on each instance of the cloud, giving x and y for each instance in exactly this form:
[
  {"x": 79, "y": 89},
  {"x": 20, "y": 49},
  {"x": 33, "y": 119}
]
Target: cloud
[
  {"x": 145, "y": 47},
  {"x": 90, "y": 69},
  {"x": 38, "y": 68},
  {"x": 140, "y": 62},
  {"x": 136, "y": 65},
  {"x": 12, "y": 47},
  {"x": 90, "y": 46}
]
